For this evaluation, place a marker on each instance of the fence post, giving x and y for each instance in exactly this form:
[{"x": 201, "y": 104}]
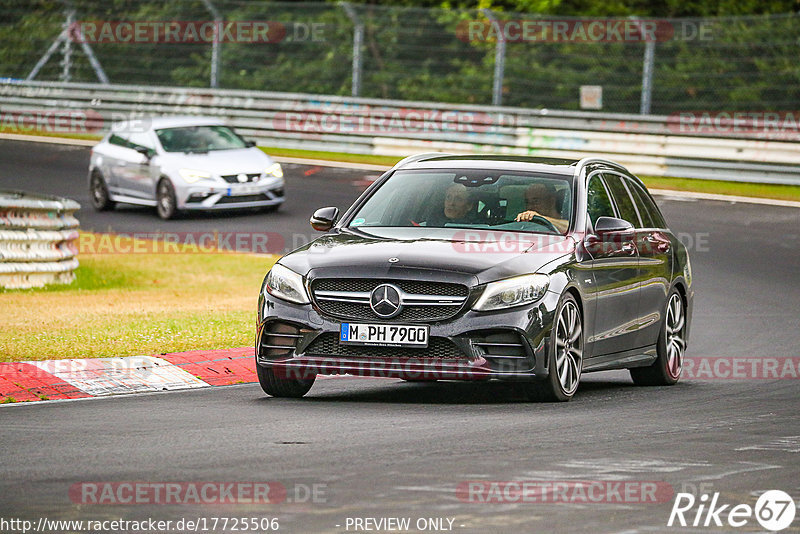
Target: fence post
[
  {"x": 358, "y": 43},
  {"x": 647, "y": 77},
  {"x": 499, "y": 59},
  {"x": 66, "y": 47},
  {"x": 215, "y": 53}
]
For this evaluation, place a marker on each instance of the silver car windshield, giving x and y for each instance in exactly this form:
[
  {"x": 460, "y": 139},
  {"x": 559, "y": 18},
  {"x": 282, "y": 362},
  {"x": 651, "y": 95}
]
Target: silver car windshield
[
  {"x": 199, "y": 139},
  {"x": 538, "y": 203}
]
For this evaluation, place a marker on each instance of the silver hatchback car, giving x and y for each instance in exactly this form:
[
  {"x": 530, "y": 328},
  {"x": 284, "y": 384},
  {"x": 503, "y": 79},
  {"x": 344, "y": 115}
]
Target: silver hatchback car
[{"x": 182, "y": 163}]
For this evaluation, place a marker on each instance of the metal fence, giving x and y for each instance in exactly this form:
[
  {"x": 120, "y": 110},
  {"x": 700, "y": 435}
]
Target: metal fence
[
  {"x": 37, "y": 240},
  {"x": 647, "y": 144},
  {"x": 400, "y": 53}
]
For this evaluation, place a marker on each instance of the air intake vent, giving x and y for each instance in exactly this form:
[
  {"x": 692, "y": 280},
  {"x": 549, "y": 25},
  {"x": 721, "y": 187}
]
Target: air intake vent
[{"x": 278, "y": 340}]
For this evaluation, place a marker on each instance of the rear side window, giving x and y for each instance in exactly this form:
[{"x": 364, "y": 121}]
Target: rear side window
[
  {"x": 651, "y": 215},
  {"x": 623, "y": 200},
  {"x": 598, "y": 203}
]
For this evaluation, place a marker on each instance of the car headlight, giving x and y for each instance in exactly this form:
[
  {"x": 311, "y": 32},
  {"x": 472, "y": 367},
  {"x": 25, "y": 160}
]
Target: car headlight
[
  {"x": 512, "y": 292},
  {"x": 191, "y": 176},
  {"x": 274, "y": 170},
  {"x": 286, "y": 284}
]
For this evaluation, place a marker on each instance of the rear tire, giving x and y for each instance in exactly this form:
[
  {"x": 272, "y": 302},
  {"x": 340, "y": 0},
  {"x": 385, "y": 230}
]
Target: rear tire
[
  {"x": 276, "y": 386},
  {"x": 671, "y": 346},
  {"x": 166, "y": 204},
  {"x": 98, "y": 191},
  {"x": 566, "y": 356}
]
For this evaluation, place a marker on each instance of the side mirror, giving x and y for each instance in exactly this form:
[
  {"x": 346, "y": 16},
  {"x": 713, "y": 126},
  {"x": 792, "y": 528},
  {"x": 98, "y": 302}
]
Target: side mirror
[
  {"x": 324, "y": 219},
  {"x": 605, "y": 226},
  {"x": 146, "y": 152}
]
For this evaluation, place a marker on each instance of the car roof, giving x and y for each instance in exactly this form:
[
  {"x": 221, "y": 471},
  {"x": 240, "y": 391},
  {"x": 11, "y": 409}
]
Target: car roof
[
  {"x": 157, "y": 123},
  {"x": 475, "y": 161},
  {"x": 506, "y": 162}
]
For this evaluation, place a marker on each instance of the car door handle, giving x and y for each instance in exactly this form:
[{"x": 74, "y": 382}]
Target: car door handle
[
  {"x": 661, "y": 245},
  {"x": 628, "y": 248}
]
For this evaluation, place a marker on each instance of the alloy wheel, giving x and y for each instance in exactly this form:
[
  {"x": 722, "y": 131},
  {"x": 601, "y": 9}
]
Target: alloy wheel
[
  {"x": 676, "y": 321},
  {"x": 569, "y": 348}
]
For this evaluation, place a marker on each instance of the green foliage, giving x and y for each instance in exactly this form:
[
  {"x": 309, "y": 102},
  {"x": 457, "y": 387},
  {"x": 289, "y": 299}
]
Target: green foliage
[{"x": 410, "y": 53}]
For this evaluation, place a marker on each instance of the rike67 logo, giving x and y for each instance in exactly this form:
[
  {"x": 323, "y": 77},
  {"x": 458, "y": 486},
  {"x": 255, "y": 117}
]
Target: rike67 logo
[{"x": 774, "y": 511}]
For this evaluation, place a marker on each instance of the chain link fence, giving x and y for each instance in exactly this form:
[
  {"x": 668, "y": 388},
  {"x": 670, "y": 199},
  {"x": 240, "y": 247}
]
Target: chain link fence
[{"x": 456, "y": 56}]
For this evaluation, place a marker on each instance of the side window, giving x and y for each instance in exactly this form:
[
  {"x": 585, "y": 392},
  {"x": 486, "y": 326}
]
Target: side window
[
  {"x": 651, "y": 215},
  {"x": 622, "y": 198},
  {"x": 597, "y": 201}
]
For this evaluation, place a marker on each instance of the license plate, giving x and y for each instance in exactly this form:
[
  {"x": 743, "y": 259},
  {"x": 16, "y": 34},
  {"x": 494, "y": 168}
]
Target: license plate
[
  {"x": 384, "y": 335},
  {"x": 243, "y": 190}
]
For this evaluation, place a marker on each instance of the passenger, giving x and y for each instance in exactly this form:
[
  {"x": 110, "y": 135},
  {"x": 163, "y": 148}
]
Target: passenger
[
  {"x": 459, "y": 204},
  {"x": 540, "y": 200}
]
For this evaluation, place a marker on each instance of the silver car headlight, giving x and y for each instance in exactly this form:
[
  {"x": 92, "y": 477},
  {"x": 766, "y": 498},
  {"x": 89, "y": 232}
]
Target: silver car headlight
[
  {"x": 191, "y": 176},
  {"x": 286, "y": 284},
  {"x": 274, "y": 170},
  {"x": 512, "y": 292}
]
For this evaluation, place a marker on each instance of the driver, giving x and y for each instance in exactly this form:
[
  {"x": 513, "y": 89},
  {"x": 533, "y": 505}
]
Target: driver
[{"x": 540, "y": 201}]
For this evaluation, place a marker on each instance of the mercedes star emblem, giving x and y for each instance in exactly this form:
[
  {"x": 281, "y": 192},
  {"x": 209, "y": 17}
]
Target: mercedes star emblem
[{"x": 385, "y": 301}]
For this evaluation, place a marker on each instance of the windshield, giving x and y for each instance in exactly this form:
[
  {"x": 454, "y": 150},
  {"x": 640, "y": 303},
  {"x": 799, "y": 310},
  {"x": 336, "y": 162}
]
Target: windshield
[
  {"x": 540, "y": 203},
  {"x": 199, "y": 139}
]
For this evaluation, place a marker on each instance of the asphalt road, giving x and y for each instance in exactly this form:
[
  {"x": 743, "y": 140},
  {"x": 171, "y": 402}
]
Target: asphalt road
[{"x": 384, "y": 448}]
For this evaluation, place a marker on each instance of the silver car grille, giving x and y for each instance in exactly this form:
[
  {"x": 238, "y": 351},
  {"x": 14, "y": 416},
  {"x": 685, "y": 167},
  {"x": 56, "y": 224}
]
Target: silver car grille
[{"x": 421, "y": 301}]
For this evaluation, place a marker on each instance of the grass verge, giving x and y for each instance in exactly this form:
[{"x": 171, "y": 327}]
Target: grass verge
[{"x": 132, "y": 304}]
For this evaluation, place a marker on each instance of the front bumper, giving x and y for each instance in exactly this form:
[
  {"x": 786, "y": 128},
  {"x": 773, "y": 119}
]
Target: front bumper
[
  {"x": 471, "y": 346},
  {"x": 216, "y": 196}
]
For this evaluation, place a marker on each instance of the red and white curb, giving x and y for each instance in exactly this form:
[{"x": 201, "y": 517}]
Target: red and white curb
[{"x": 98, "y": 377}]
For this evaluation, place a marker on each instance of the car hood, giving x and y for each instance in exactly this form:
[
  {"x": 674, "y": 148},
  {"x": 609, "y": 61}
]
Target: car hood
[
  {"x": 246, "y": 160},
  {"x": 479, "y": 256}
]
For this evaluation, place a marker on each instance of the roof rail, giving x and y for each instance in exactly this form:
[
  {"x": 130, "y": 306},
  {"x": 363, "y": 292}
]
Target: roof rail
[
  {"x": 418, "y": 157},
  {"x": 588, "y": 161}
]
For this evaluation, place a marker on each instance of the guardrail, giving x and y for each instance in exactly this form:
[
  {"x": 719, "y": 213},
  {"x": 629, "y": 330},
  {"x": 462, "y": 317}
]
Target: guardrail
[
  {"x": 37, "y": 240},
  {"x": 647, "y": 144}
]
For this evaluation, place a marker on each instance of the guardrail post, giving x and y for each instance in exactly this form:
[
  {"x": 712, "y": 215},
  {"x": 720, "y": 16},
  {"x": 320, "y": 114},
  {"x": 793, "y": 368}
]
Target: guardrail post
[
  {"x": 647, "y": 77},
  {"x": 358, "y": 44},
  {"x": 215, "y": 52},
  {"x": 499, "y": 59}
]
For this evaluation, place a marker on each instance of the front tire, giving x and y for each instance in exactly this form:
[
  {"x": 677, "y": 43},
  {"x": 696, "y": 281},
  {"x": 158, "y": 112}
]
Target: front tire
[
  {"x": 671, "y": 346},
  {"x": 276, "y": 386},
  {"x": 566, "y": 356},
  {"x": 98, "y": 191},
  {"x": 166, "y": 204}
]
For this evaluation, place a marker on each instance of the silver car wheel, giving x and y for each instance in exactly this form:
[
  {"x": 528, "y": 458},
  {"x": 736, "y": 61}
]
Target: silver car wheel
[
  {"x": 569, "y": 349},
  {"x": 676, "y": 345}
]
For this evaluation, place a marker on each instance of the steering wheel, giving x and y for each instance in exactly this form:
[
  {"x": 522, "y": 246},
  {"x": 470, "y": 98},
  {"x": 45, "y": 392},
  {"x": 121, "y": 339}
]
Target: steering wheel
[{"x": 544, "y": 222}]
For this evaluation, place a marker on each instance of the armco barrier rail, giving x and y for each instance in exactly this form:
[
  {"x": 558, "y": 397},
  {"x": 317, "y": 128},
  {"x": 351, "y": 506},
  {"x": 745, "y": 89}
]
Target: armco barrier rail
[
  {"x": 647, "y": 144},
  {"x": 37, "y": 240}
]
